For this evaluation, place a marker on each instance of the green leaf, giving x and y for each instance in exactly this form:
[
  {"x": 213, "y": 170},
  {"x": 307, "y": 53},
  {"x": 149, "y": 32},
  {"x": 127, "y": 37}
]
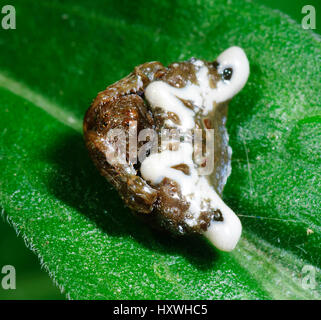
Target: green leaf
[{"x": 53, "y": 65}]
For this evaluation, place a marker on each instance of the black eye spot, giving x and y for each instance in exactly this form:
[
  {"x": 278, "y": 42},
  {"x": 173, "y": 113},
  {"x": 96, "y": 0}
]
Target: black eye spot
[
  {"x": 218, "y": 215},
  {"x": 227, "y": 74}
]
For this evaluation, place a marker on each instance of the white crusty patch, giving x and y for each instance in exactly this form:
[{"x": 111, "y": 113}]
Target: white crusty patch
[{"x": 194, "y": 187}]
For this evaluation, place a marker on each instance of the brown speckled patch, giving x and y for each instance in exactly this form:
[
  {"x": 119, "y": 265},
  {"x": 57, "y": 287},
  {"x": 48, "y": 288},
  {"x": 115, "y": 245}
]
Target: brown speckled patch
[{"x": 123, "y": 102}]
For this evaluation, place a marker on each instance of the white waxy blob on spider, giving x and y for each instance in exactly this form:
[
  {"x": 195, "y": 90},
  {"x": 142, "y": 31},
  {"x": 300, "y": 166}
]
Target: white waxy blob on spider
[
  {"x": 234, "y": 58},
  {"x": 194, "y": 187}
]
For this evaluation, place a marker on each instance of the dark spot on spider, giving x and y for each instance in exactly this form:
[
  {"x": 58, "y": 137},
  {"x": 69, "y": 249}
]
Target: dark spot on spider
[
  {"x": 182, "y": 167},
  {"x": 218, "y": 215},
  {"x": 215, "y": 64},
  {"x": 227, "y": 74},
  {"x": 141, "y": 94},
  {"x": 207, "y": 123}
]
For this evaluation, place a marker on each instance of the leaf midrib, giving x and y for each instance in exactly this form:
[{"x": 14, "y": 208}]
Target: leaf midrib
[{"x": 40, "y": 101}]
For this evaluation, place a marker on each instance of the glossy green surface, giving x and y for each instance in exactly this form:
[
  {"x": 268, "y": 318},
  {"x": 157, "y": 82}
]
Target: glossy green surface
[
  {"x": 31, "y": 282},
  {"x": 63, "y": 53}
]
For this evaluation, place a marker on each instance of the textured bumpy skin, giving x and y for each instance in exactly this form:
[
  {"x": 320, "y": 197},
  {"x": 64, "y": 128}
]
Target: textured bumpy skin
[{"x": 163, "y": 205}]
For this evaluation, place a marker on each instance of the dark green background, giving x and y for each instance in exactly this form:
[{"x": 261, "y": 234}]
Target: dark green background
[{"x": 34, "y": 283}]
